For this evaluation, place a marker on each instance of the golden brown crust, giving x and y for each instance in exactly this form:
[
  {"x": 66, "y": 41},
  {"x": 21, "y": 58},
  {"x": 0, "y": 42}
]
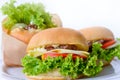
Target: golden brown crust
[
  {"x": 53, "y": 77},
  {"x": 58, "y": 36},
  {"x": 97, "y": 33},
  {"x": 45, "y": 78}
]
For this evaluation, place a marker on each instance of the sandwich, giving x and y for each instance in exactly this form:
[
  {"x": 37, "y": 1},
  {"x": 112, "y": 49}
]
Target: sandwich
[
  {"x": 24, "y": 20},
  {"x": 59, "y": 54},
  {"x": 107, "y": 47},
  {"x": 20, "y": 24}
]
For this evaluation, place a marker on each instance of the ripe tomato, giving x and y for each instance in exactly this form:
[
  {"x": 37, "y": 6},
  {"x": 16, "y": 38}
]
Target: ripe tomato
[
  {"x": 109, "y": 43},
  {"x": 55, "y": 54}
]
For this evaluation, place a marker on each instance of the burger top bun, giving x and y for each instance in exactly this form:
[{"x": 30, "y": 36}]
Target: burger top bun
[
  {"x": 58, "y": 36},
  {"x": 97, "y": 33}
]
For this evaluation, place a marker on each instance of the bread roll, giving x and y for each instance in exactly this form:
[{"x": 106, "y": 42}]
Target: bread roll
[
  {"x": 58, "y": 36},
  {"x": 97, "y": 33}
]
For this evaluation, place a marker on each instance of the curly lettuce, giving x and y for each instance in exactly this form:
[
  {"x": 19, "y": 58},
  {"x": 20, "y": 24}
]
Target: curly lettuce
[
  {"x": 105, "y": 54},
  {"x": 67, "y": 66},
  {"x": 27, "y": 13},
  {"x": 92, "y": 67}
]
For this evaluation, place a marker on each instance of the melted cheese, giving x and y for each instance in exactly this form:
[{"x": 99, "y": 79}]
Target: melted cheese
[
  {"x": 84, "y": 53},
  {"x": 39, "y": 51}
]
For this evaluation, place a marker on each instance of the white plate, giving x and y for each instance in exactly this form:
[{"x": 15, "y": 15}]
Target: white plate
[{"x": 109, "y": 73}]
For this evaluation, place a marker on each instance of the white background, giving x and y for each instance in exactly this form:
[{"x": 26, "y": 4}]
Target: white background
[{"x": 78, "y": 14}]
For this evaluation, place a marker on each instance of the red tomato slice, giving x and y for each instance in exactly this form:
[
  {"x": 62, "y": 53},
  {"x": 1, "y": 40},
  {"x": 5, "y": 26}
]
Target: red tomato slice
[
  {"x": 54, "y": 54},
  {"x": 109, "y": 43}
]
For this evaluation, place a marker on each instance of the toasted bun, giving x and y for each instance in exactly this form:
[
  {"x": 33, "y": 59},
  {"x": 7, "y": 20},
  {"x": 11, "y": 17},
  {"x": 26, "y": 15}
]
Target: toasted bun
[
  {"x": 58, "y": 36},
  {"x": 25, "y": 35},
  {"x": 53, "y": 75},
  {"x": 45, "y": 78},
  {"x": 97, "y": 33}
]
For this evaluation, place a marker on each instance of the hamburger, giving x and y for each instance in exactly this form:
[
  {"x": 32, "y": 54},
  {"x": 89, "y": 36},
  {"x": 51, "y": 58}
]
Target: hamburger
[
  {"x": 59, "y": 54},
  {"x": 20, "y": 24},
  {"x": 24, "y": 20},
  {"x": 108, "y": 46}
]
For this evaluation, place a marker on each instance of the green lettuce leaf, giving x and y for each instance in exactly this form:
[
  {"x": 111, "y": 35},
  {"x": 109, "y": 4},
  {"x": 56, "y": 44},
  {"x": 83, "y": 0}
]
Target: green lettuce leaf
[
  {"x": 92, "y": 67},
  {"x": 35, "y": 66},
  {"x": 105, "y": 54},
  {"x": 72, "y": 68},
  {"x": 67, "y": 66},
  {"x": 27, "y": 13}
]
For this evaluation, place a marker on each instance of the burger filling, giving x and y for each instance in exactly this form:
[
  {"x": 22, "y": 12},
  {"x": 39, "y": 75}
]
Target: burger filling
[
  {"x": 69, "y": 61},
  {"x": 106, "y": 50},
  {"x": 105, "y": 43},
  {"x": 64, "y": 48}
]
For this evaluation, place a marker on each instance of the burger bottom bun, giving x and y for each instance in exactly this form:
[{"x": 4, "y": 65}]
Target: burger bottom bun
[
  {"x": 52, "y": 75},
  {"x": 45, "y": 78},
  {"x": 106, "y": 63}
]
